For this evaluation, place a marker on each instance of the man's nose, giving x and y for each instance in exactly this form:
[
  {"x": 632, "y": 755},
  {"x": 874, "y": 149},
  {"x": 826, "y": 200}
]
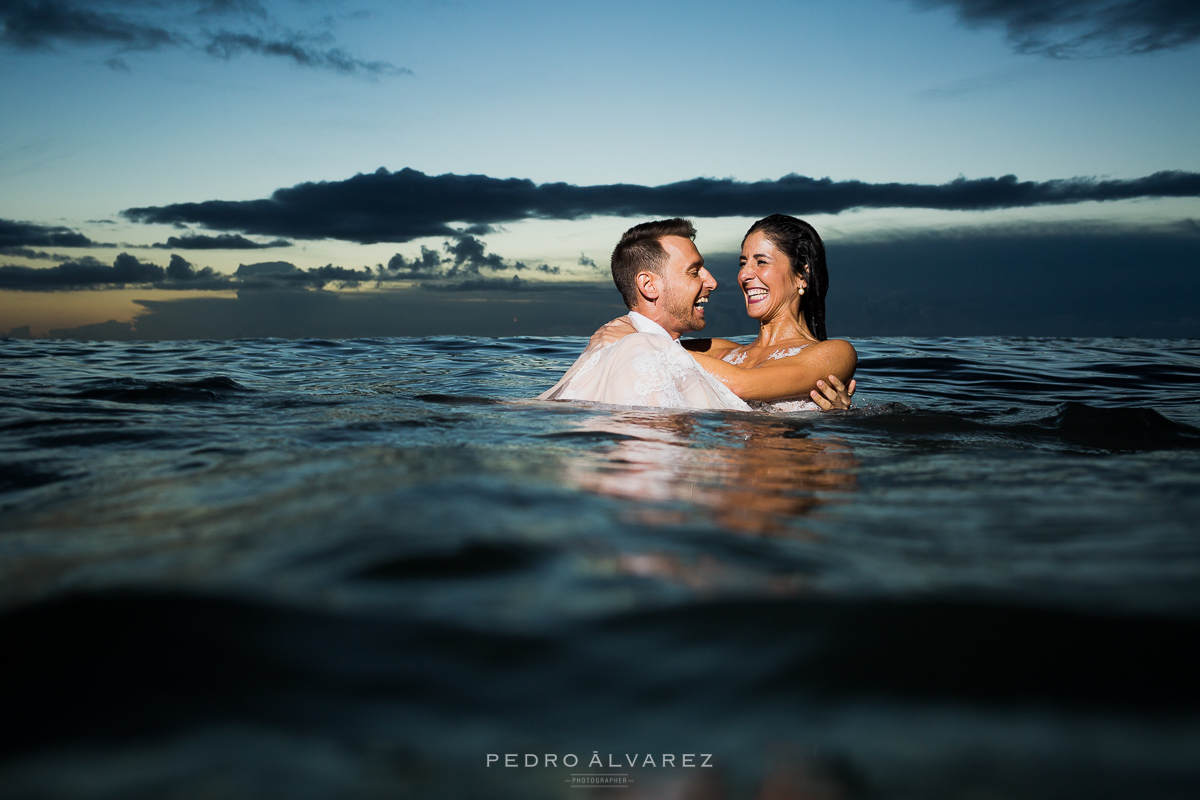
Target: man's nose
[{"x": 708, "y": 279}]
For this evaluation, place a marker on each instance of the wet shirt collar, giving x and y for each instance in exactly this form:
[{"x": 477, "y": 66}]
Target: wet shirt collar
[{"x": 644, "y": 324}]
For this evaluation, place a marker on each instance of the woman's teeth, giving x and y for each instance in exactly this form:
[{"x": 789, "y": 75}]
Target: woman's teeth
[{"x": 754, "y": 295}]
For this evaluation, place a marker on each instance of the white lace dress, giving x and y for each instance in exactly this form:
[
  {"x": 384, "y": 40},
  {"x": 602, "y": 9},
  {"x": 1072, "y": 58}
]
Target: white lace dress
[
  {"x": 647, "y": 368},
  {"x": 737, "y": 356}
]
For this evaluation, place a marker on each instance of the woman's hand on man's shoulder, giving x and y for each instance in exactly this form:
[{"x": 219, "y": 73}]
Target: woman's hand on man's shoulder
[{"x": 611, "y": 331}]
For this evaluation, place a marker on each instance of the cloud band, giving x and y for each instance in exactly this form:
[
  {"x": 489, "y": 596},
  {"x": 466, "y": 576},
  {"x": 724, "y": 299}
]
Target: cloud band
[
  {"x": 406, "y": 205},
  {"x": 1083, "y": 28}
]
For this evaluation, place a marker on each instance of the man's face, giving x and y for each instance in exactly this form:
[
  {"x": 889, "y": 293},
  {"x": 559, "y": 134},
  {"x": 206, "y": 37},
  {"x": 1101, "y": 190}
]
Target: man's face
[{"x": 686, "y": 285}]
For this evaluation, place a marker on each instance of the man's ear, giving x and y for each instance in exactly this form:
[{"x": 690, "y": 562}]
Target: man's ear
[{"x": 647, "y": 284}]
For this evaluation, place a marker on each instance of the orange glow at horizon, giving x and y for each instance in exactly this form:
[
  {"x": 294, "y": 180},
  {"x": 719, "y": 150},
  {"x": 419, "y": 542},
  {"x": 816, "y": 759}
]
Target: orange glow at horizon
[{"x": 43, "y": 312}]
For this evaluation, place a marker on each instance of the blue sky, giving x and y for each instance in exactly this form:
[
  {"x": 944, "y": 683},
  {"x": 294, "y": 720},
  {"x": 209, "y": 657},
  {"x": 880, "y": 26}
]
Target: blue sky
[{"x": 644, "y": 93}]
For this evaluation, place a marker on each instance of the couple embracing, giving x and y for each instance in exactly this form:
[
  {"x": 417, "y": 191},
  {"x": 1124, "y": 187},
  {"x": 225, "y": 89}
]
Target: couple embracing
[{"x": 639, "y": 360}]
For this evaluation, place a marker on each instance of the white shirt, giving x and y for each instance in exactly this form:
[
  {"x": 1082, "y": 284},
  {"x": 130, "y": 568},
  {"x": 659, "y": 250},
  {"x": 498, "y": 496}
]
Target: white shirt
[{"x": 647, "y": 368}]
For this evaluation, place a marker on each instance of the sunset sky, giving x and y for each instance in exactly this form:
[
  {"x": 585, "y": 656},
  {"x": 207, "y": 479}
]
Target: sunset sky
[{"x": 417, "y": 168}]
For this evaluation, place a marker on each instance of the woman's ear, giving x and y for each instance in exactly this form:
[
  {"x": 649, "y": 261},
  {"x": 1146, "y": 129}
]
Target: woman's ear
[
  {"x": 647, "y": 284},
  {"x": 802, "y": 283}
]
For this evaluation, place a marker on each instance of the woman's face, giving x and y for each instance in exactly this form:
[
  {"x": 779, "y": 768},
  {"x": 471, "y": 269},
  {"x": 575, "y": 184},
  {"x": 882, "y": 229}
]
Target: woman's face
[{"x": 767, "y": 279}]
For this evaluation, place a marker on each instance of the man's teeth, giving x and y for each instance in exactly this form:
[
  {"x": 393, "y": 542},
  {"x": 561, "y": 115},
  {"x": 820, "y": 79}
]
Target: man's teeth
[
  {"x": 754, "y": 294},
  {"x": 702, "y": 301}
]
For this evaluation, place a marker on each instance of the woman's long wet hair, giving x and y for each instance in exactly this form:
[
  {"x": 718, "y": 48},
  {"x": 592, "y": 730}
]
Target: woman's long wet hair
[{"x": 799, "y": 241}]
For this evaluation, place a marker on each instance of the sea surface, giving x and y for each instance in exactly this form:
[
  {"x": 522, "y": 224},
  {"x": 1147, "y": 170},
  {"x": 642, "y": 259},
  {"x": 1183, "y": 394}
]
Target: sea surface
[{"x": 377, "y": 569}]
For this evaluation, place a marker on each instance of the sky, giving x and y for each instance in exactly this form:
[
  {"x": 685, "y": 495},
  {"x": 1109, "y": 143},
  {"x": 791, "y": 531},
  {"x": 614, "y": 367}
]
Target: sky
[{"x": 234, "y": 168}]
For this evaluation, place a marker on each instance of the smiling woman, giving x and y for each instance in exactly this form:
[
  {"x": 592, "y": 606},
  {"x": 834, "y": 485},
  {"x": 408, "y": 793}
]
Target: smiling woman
[{"x": 784, "y": 279}]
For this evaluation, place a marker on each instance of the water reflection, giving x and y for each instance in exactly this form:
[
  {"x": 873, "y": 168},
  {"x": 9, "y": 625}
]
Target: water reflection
[{"x": 755, "y": 475}]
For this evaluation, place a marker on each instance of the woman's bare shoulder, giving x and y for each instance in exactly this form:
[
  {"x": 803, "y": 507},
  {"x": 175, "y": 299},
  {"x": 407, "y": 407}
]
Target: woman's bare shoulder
[
  {"x": 838, "y": 350},
  {"x": 839, "y": 347},
  {"x": 839, "y": 355}
]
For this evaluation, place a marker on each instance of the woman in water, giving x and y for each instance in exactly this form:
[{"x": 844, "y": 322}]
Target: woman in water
[{"x": 791, "y": 366}]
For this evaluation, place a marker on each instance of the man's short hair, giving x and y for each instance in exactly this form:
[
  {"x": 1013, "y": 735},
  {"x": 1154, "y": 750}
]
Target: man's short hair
[{"x": 641, "y": 251}]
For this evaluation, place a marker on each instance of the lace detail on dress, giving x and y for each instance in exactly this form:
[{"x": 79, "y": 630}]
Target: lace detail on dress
[
  {"x": 735, "y": 356},
  {"x": 659, "y": 374},
  {"x": 592, "y": 361},
  {"x": 791, "y": 351}
]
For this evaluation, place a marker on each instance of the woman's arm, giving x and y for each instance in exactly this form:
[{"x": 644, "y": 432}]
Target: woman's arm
[{"x": 786, "y": 378}]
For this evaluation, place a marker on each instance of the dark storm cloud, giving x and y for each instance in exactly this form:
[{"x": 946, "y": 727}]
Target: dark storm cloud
[
  {"x": 429, "y": 265},
  {"x": 225, "y": 241},
  {"x": 36, "y": 255},
  {"x": 81, "y": 273},
  {"x": 462, "y": 260},
  {"x": 16, "y": 236},
  {"x": 145, "y": 25},
  {"x": 1081, "y": 28},
  {"x": 41, "y": 24},
  {"x": 90, "y": 273},
  {"x": 280, "y": 275},
  {"x": 340, "y": 276},
  {"x": 468, "y": 256},
  {"x": 181, "y": 273},
  {"x": 465, "y": 258},
  {"x": 401, "y": 206}
]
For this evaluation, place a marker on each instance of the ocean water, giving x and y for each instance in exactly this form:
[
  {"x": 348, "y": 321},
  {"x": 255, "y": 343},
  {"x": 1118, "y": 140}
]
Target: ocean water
[{"x": 375, "y": 568}]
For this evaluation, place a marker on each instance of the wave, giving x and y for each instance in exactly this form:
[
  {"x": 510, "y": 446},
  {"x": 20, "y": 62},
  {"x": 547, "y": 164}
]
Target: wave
[
  {"x": 1073, "y": 425},
  {"x": 1118, "y": 429},
  {"x": 136, "y": 390},
  {"x": 458, "y": 399}
]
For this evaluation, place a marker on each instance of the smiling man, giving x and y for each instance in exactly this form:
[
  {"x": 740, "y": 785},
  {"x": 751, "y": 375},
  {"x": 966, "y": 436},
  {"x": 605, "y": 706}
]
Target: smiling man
[{"x": 661, "y": 275}]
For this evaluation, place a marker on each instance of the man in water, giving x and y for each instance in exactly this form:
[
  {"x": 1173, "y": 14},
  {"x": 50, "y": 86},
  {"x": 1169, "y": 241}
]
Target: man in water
[{"x": 662, "y": 278}]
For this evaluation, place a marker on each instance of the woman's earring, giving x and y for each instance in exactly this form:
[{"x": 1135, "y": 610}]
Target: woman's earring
[{"x": 801, "y": 290}]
